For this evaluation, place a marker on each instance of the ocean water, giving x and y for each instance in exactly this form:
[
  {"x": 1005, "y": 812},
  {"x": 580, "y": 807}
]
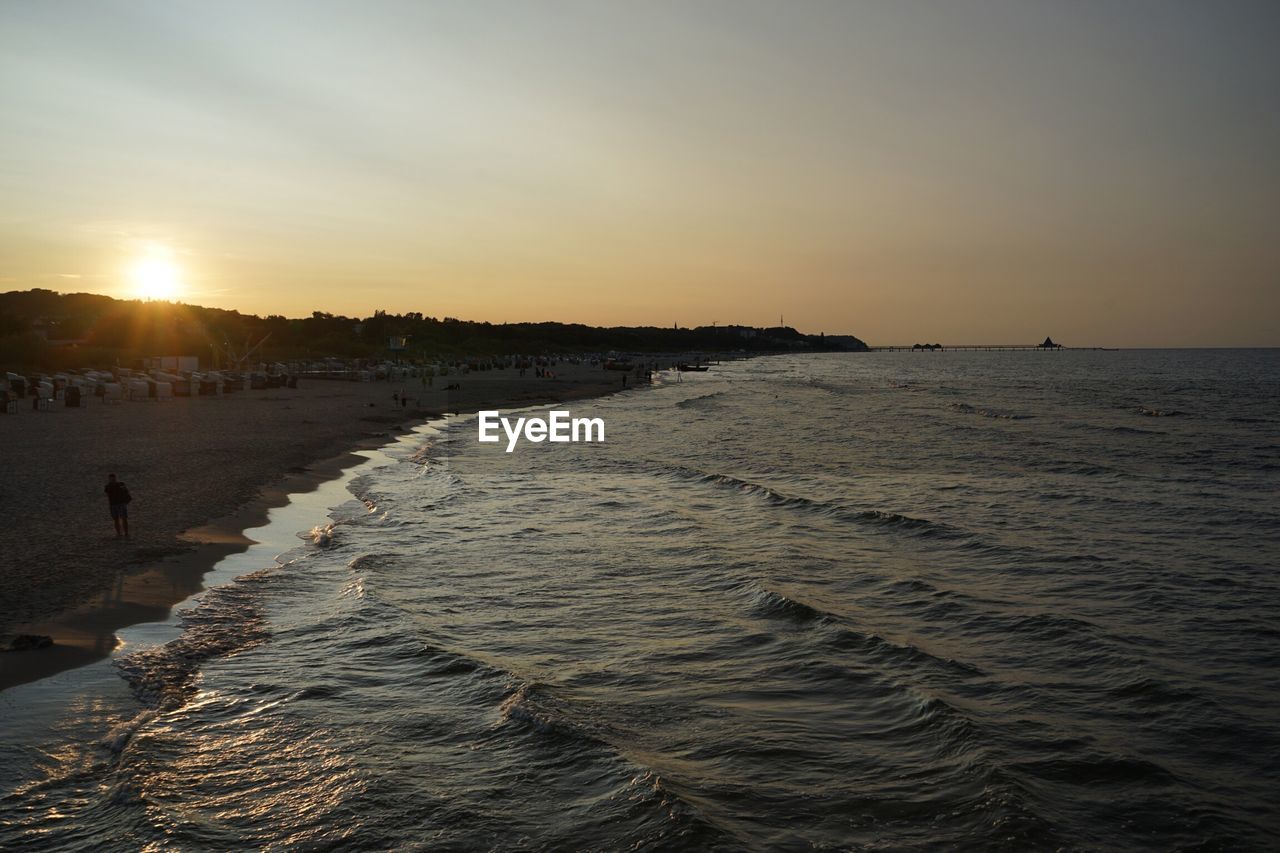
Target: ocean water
[{"x": 912, "y": 601}]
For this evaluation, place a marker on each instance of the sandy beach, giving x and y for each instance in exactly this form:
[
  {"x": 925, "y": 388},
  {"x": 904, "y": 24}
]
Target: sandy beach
[{"x": 200, "y": 470}]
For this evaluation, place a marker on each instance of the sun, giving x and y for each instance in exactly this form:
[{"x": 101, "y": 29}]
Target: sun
[{"x": 155, "y": 275}]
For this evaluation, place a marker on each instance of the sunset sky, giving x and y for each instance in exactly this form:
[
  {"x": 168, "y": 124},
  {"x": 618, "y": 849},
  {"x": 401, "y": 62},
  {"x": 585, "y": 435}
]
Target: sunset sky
[{"x": 1104, "y": 172}]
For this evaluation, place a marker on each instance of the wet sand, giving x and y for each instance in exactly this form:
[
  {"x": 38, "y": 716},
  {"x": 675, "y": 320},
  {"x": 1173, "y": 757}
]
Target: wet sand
[{"x": 201, "y": 470}]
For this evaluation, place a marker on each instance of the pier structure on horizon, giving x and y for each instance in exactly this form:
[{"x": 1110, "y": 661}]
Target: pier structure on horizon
[{"x": 1047, "y": 345}]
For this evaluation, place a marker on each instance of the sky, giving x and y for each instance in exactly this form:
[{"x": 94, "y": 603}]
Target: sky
[{"x": 1107, "y": 173}]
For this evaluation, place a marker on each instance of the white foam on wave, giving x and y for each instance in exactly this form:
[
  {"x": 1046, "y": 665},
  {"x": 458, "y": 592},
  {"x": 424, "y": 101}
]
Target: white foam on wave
[{"x": 322, "y": 534}]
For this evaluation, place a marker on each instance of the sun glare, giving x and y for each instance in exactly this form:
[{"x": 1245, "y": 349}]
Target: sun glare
[{"x": 155, "y": 275}]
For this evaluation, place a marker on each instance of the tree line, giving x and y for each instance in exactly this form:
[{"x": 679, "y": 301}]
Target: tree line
[{"x": 46, "y": 330}]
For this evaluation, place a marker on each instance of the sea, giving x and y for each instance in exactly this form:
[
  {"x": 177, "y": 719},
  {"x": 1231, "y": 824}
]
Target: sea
[{"x": 875, "y": 601}]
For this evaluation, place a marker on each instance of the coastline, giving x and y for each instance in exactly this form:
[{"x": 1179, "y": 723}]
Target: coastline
[{"x": 83, "y": 628}]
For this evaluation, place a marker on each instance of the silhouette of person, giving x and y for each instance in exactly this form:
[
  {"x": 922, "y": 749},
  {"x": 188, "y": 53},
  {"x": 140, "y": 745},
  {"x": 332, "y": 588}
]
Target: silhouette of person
[{"x": 118, "y": 498}]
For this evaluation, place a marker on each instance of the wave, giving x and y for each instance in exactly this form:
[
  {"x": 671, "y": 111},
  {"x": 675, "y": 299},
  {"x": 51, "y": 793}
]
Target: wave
[
  {"x": 1098, "y": 769},
  {"x": 1052, "y": 626},
  {"x": 688, "y": 828},
  {"x": 767, "y": 602},
  {"x": 702, "y": 401},
  {"x": 1148, "y": 690},
  {"x": 228, "y": 620},
  {"x": 1136, "y": 430},
  {"x": 1160, "y": 413},
  {"x": 873, "y": 517},
  {"x": 844, "y": 637},
  {"x": 835, "y": 389},
  {"x": 534, "y": 708},
  {"x": 385, "y": 633},
  {"x": 321, "y": 535},
  {"x": 965, "y": 408},
  {"x": 1084, "y": 469}
]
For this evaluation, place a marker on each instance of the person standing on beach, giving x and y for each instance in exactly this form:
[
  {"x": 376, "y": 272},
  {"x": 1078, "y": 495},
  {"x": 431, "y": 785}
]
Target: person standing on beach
[{"x": 118, "y": 498}]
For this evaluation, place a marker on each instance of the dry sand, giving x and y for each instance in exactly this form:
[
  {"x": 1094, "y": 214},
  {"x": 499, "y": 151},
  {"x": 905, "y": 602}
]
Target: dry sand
[{"x": 200, "y": 471}]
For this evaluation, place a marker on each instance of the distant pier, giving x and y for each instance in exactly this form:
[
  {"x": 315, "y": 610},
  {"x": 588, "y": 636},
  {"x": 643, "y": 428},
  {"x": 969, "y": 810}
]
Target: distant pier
[{"x": 985, "y": 347}]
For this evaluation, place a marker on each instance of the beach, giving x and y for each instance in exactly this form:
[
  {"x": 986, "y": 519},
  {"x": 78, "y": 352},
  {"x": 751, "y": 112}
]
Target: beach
[{"x": 200, "y": 470}]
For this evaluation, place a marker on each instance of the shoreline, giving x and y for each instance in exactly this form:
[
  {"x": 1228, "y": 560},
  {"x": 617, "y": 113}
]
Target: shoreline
[{"x": 84, "y": 631}]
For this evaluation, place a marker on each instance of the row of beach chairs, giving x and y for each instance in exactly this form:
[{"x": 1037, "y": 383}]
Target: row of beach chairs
[{"x": 77, "y": 389}]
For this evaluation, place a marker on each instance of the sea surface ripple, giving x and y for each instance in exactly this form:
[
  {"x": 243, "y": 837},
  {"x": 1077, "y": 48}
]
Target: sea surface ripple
[{"x": 996, "y": 601}]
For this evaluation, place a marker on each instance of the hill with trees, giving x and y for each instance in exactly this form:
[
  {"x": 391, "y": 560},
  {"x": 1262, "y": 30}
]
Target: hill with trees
[{"x": 46, "y": 330}]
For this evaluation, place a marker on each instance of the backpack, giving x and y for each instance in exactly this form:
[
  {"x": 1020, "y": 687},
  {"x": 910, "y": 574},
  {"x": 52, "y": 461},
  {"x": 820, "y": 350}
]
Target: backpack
[{"x": 128, "y": 498}]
